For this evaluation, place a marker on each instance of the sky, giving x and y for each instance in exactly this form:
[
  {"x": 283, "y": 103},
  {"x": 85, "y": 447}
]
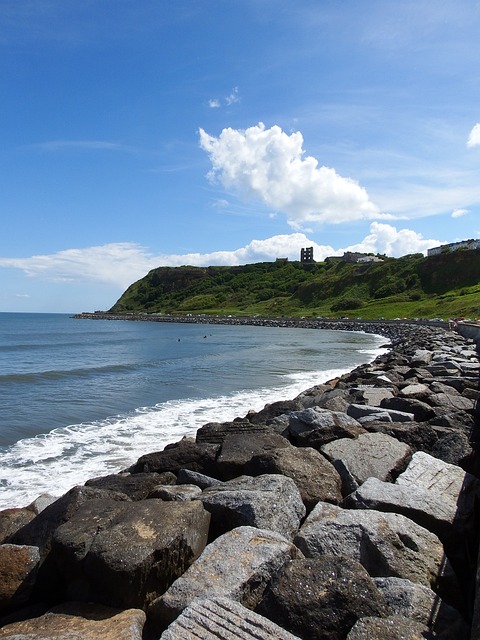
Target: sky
[{"x": 144, "y": 133}]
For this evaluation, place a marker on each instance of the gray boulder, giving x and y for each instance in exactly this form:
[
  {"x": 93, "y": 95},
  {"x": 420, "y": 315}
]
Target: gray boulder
[
  {"x": 316, "y": 426},
  {"x": 177, "y": 493},
  {"x": 358, "y": 411},
  {"x": 370, "y": 455},
  {"x": 185, "y": 454},
  {"x": 126, "y": 554},
  {"x": 216, "y": 432},
  {"x": 185, "y": 476},
  {"x": 223, "y": 619},
  {"x": 270, "y": 502},
  {"x": 136, "y": 486},
  {"x": 315, "y": 477},
  {"x": 238, "y": 449},
  {"x": 392, "y": 628},
  {"x": 386, "y": 544},
  {"x": 421, "y": 410},
  {"x": 77, "y": 621},
  {"x": 321, "y": 598},
  {"x": 239, "y": 565}
]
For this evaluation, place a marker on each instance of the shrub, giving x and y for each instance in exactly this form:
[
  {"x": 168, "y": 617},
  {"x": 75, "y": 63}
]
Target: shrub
[{"x": 347, "y": 303}]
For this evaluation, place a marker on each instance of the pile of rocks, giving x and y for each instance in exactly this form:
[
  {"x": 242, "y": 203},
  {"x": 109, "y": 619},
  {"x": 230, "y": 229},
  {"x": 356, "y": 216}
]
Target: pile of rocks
[{"x": 347, "y": 512}]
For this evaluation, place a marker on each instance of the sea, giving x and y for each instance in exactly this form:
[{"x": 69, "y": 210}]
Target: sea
[{"x": 85, "y": 398}]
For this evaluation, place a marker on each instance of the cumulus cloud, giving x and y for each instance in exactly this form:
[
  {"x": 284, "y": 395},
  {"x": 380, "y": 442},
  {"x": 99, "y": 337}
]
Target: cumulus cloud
[
  {"x": 474, "y": 137},
  {"x": 120, "y": 264},
  {"x": 270, "y": 165},
  {"x": 386, "y": 239},
  {"x": 458, "y": 213}
]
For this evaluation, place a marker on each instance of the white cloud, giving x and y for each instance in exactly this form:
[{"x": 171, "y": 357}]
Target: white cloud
[
  {"x": 458, "y": 213},
  {"x": 474, "y": 137},
  {"x": 120, "y": 264},
  {"x": 233, "y": 97},
  {"x": 269, "y": 165},
  {"x": 214, "y": 103},
  {"x": 385, "y": 239}
]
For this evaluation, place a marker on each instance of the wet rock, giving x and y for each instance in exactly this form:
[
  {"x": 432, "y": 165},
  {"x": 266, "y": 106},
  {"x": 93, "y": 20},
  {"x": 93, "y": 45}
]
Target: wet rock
[
  {"x": 18, "y": 569},
  {"x": 74, "y": 621},
  {"x": 239, "y": 565},
  {"x": 127, "y": 554},
  {"x": 322, "y": 598},
  {"x": 223, "y": 619},
  {"x": 270, "y": 502}
]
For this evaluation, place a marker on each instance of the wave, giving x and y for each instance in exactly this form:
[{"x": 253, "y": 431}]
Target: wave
[
  {"x": 54, "y": 462},
  {"x": 58, "y": 374}
]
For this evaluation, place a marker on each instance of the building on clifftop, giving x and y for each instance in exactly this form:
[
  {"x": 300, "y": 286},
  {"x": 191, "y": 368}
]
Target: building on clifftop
[{"x": 454, "y": 246}]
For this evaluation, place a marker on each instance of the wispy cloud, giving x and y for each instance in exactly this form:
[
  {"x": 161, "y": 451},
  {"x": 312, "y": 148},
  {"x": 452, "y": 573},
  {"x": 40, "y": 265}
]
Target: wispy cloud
[
  {"x": 232, "y": 98},
  {"x": 120, "y": 264},
  {"x": 458, "y": 213},
  {"x": 83, "y": 145},
  {"x": 214, "y": 103}
]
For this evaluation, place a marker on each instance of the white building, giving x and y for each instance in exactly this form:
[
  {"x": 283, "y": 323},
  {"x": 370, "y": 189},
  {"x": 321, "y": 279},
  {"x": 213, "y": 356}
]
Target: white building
[{"x": 454, "y": 246}]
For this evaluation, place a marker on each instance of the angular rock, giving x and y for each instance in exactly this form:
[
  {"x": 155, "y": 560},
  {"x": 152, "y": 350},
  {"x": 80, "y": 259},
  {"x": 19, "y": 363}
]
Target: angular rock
[
  {"x": 428, "y": 509},
  {"x": 315, "y": 477},
  {"x": 136, "y": 486},
  {"x": 41, "y": 503},
  {"x": 360, "y": 410},
  {"x": 370, "y": 455},
  {"x": 451, "y": 403},
  {"x": 392, "y": 628},
  {"x": 421, "y": 410},
  {"x": 372, "y": 418},
  {"x": 75, "y": 621},
  {"x": 237, "y": 450},
  {"x": 270, "y": 502},
  {"x": 421, "y": 358},
  {"x": 223, "y": 619},
  {"x": 186, "y": 454},
  {"x": 316, "y": 427},
  {"x": 419, "y": 603},
  {"x": 11, "y": 520},
  {"x": 185, "y": 476},
  {"x": 452, "y": 446},
  {"x": 373, "y": 396},
  {"x": 127, "y": 554},
  {"x": 239, "y": 565},
  {"x": 18, "y": 568},
  {"x": 386, "y": 544},
  {"x": 322, "y": 598},
  {"x": 273, "y": 410},
  {"x": 216, "y": 432},
  {"x": 177, "y": 493},
  {"x": 418, "y": 435}
]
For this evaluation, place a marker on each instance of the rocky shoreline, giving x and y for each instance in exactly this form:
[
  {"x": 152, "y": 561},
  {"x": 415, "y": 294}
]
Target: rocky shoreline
[{"x": 349, "y": 512}]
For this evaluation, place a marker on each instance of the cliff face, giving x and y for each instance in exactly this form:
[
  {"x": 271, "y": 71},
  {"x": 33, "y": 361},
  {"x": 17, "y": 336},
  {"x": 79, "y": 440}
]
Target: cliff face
[{"x": 409, "y": 286}]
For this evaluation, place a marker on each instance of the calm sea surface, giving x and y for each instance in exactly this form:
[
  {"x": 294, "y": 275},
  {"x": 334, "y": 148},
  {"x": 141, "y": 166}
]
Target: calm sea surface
[{"x": 81, "y": 398}]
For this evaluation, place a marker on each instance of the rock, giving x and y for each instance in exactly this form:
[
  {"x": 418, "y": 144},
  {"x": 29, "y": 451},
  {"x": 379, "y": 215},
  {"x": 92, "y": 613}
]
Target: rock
[
  {"x": 18, "y": 568},
  {"x": 421, "y": 410},
  {"x": 322, "y": 598},
  {"x": 373, "y": 396},
  {"x": 11, "y": 520},
  {"x": 127, "y": 554},
  {"x": 370, "y": 455},
  {"x": 428, "y": 509},
  {"x": 76, "y": 621},
  {"x": 273, "y": 410},
  {"x": 178, "y": 493},
  {"x": 237, "y": 450},
  {"x": 452, "y": 446},
  {"x": 392, "y": 628},
  {"x": 316, "y": 427},
  {"x": 40, "y": 530},
  {"x": 41, "y": 503},
  {"x": 418, "y": 435},
  {"x": 239, "y": 565},
  {"x": 372, "y": 418},
  {"x": 386, "y": 544},
  {"x": 223, "y": 619},
  {"x": 216, "y": 432},
  {"x": 419, "y": 603},
  {"x": 421, "y": 358},
  {"x": 136, "y": 486},
  {"x": 315, "y": 477},
  {"x": 185, "y": 476},
  {"x": 451, "y": 403},
  {"x": 186, "y": 454},
  {"x": 270, "y": 502},
  {"x": 360, "y": 410},
  {"x": 459, "y": 420}
]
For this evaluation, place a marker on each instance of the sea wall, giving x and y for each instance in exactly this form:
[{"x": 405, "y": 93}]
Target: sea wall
[{"x": 350, "y": 511}]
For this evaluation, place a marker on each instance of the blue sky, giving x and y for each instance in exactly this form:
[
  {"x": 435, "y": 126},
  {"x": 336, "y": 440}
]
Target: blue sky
[{"x": 142, "y": 133}]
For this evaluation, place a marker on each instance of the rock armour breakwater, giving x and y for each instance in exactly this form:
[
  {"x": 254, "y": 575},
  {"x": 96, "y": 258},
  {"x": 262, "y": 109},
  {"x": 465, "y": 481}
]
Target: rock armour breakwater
[{"x": 348, "y": 512}]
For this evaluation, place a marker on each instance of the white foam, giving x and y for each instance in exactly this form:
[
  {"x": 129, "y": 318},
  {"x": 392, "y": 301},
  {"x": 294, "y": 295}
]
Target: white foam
[{"x": 54, "y": 462}]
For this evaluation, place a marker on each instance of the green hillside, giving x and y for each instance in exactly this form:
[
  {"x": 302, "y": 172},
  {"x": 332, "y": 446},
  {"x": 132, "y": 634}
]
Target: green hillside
[{"x": 447, "y": 285}]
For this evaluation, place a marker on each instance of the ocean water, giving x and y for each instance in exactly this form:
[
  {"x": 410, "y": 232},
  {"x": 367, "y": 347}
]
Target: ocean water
[{"x": 84, "y": 398}]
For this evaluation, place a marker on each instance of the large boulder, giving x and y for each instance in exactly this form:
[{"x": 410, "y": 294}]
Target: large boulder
[
  {"x": 11, "y": 520},
  {"x": 223, "y": 619},
  {"x": 238, "y": 449},
  {"x": 137, "y": 486},
  {"x": 421, "y": 410},
  {"x": 360, "y": 411},
  {"x": 321, "y": 598},
  {"x": 216, "y": 432},
  {"x": 126, "y": 554},
  {"x": 386, "y": 544},
  {"x": 391, "y": 628},
  {"x": 77, "y": 621},
  {"x": 370, "y": 455},
  {"x": 316, "y": 478},
  {"x": 239, "y": 565},
  {"x": 18, "y": 568},
  {"x": 267, "y": 502},
  {"x": 315, "y": 427},
  {"x": 185, "y": 454}
]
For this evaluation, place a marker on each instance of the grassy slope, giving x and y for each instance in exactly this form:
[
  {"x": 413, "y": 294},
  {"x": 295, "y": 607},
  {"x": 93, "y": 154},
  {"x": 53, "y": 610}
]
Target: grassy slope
[{"x": 444, "y": 286}]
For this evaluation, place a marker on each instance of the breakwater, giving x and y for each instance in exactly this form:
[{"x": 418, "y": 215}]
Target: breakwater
[{"x": 346, "y": 512}]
